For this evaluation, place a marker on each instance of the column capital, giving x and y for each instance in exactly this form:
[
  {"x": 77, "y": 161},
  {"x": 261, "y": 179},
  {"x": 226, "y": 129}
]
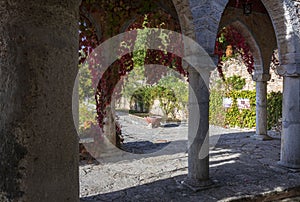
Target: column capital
[
  {"x": 289, "y": 70},
  {"x": 261, "y": 77}
]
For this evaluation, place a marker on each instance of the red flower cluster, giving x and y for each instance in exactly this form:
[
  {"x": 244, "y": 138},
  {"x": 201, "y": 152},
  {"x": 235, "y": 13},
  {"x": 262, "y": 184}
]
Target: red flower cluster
[
  {"x": 229, "y": 36},
  {"x": 105, "y": 88}
]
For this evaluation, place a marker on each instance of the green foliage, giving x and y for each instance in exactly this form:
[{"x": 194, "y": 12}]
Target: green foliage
[
  {"x": 167, "y": 99},
  {"x": 140, "y": 46},
  {"x": 274, "y": 108},
  {"x": 235, "y": 83},
  {"x": 171, "y": 90},
  {"x": 143, "y": 97},
  {"x": 244, "y": 118},
  {"x": 85, "y": 83},
  {"x": 87, "y": 116},
  {"x": 222, "y": 40},
  {"x": 217, "y": 112},
  {"x": 135, "y": 80},
  {"x": 87, "y": 103},
  {"x": 174, "y": 82}
]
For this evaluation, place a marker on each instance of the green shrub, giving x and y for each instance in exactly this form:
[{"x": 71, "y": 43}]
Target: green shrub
[
  {"x": 167, "y": 100},
  {"x": 244, "y": 118},
  {"x": 235, "y": 82},
  {"x": 217, "y": 112},
  {"x": 274, "y": 108},
  {"x": 143, "y": 97}
]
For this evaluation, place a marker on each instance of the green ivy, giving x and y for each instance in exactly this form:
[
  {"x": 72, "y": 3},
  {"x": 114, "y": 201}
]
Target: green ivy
[
  {"x": 217, "y": 112},
  {"x": 274, "y": 108},
  {"x": 243, "y": 118},
  {"x": 144, "y": 97},
  {"x": 235, "y": 82},
  {"x": 167, "y": 100}
]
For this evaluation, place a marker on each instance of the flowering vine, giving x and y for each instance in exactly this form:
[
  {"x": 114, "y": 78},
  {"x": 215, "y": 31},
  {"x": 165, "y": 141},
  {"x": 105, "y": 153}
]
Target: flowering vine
[
  {"x": 89, "y": 40},
  {"x": 228, "y": 36}
]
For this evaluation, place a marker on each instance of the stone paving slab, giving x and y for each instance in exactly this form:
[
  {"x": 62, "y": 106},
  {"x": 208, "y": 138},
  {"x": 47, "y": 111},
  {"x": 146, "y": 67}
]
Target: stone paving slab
[{"x": 244, "y": 169}]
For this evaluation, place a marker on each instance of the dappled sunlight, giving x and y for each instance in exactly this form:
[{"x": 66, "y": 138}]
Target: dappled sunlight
[
  {"x": 221, "y": 157},
  {"x": 224, "y": 157},
  {"x": 222, "y": 163},
  {"x": 217, "y": 151}
]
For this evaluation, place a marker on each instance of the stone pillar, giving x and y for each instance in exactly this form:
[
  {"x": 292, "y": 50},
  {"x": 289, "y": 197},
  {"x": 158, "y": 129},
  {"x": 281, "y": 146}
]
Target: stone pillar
[
  {"x": 39, "y": 63},
  {"x": 198, "y": 131},
  {"x": 290, "y": 139},
  {"x": 109, "y": 127},
  {"x": 261, "y": 106}
]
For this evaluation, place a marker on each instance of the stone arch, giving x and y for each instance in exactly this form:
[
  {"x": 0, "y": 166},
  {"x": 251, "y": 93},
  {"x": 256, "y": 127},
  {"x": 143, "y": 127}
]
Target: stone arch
[
  {"x": 99, "y": 15},
  {"x": 284, "y": 16},
  {"x": 206, "y": 16},
  {"x": 251, "y": 41},
  {"x": 185, "y": 17},
  {"x": 124, "y": 27},
  {"x": 264, "y": 36},
  {"x": 286, "y": 24},
  {"x": 133, "y": 11}
]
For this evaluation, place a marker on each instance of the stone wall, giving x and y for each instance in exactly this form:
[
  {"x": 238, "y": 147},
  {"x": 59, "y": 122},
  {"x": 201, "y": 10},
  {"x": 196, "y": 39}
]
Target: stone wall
[{"x": 236, "y": 67}]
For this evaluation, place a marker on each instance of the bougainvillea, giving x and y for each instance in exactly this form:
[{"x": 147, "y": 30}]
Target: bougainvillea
[{"x": 229, "y": 36}]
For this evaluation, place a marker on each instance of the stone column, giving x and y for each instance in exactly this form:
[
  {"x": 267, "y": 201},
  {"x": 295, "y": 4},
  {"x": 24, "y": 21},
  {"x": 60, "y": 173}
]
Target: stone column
[
  {"x": 290, "y": 139},
  {"x": 261, "y": 106},
  {"x": 198, "y": 131},
  {"x": 39, "y": 63}
]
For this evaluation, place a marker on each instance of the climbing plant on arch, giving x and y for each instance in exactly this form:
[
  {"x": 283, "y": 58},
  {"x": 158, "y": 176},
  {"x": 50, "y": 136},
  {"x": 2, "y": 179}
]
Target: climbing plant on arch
[
  {"x": 228, "y": 36},
  {"x": 89, "y": 40}
]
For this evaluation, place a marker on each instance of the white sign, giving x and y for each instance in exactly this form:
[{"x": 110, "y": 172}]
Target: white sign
[
  {"x": 227, "y": 102},
  {"x": 243, "y": 103}
]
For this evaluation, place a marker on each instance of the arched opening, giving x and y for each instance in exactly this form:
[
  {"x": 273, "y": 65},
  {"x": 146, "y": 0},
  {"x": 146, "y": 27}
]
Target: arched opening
[
  {"x": 112, "y": 76},
  {"x": 262, "y": 42},
  {"x": 38, "y": 147},
  {"x": 228, "y": 12}
]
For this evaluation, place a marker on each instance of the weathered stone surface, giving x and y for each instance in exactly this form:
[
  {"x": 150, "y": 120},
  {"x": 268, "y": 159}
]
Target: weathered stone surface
[
  {"x": 261, "y": 107},
  {"x": 38, "y": 54},
  {"x": 198, "y": 138},
  {"x": 244, "y": 169},
  {"x": 286, "y": 24},
  {"x": 290, "y": 151}
]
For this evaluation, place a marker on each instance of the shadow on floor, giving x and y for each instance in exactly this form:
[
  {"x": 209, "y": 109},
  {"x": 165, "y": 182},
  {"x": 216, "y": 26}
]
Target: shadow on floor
[
  {"x": 244, "y": 169},
  {"x": 143, "y": 147}
]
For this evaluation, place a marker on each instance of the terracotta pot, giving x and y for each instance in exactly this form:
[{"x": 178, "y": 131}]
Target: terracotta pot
[{"x": 153, "y": 120}]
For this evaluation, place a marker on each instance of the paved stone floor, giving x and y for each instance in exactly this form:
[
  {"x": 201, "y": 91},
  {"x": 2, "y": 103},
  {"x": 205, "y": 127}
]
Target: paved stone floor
[{"x": 154, "y": 164}]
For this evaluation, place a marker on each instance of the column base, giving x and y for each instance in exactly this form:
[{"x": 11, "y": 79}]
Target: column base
[
  {"x": 261, "y": 137},
  {"x": 287, "y": 166},
  {"x": 198, "y": 185}
]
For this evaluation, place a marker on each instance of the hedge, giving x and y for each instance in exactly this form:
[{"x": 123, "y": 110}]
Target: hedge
[{"x": 243, "y": 118}]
